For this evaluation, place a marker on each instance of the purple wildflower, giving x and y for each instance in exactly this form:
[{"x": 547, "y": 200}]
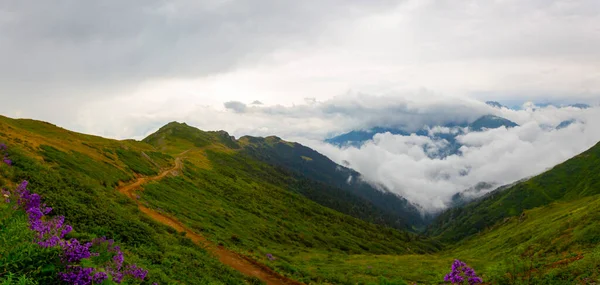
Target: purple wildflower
[
  {"x": 461, "y": 273},
  {"x": 77, "y": 275},
  {"x": 270, "y": 256},
  {"x": 51, "y": 233},
  {"x": 73, "y": 251},
  {"x": 99, "y": 277},
  {"x": 135, "y": 272}
]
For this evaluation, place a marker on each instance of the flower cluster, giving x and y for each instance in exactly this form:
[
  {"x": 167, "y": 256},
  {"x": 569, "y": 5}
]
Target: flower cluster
[
  {"x": 4, "y": 154},
  {"x": 462, "y": 274},
  {"x": 50, "y": 232}
]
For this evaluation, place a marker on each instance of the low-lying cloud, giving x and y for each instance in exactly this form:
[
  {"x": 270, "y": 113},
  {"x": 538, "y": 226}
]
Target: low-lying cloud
[{"x": 497, "y": 156}]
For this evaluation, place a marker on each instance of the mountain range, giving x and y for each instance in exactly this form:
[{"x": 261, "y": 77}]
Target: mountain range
[
  {"x": 198, "y": 207},
  {"x": 447, "y": 134}
]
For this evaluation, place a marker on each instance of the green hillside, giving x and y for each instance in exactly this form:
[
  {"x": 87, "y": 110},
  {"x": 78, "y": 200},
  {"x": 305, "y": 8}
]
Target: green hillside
[
  {"x": 233, "y": 200},
  {"x": 341, "y": 187},
  {"x": 576, "y": 178}
]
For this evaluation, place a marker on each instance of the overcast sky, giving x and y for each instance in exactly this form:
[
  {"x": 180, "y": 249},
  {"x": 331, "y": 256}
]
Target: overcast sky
[{"x": 302, "y": 70}]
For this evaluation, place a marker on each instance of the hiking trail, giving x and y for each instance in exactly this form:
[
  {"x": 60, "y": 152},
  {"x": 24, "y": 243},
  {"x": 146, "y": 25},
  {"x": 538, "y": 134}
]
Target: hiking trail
[{"x": 232, "y": 259}]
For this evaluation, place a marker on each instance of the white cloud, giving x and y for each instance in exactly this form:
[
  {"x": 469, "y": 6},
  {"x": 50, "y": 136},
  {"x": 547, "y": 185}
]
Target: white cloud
[{"x": 497, "y": 156}]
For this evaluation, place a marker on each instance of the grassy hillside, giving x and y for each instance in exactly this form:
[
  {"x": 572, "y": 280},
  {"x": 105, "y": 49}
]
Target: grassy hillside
[
  {"x": 222, "y": 193},
  {"x": 76, "y": 175},
  {"x": 257, "y": 209},
  {"x": 576, "y": 178},
  {"x": 341, "y": 187}
]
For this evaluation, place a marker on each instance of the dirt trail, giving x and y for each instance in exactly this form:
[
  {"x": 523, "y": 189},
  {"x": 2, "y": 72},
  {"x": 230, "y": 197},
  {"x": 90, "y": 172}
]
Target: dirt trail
[{"x": 238, "y": 262}]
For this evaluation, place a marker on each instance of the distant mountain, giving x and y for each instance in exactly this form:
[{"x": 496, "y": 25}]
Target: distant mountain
[
  {"x": 447, "y": 133},
  {"x": 466, "y": 196},
  {"x": 580, "y": 105},
  {"x": 574, "y": 105},
  {"x": 495, "y": 104},
  {"x": 491, "y": 122},
  {"x": 565, "y": 124}
]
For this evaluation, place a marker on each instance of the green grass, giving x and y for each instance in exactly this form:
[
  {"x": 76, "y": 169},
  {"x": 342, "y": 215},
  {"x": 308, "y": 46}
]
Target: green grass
[
  {"x": 244, "y": 205},
  {"x": 81, "y": 188}
]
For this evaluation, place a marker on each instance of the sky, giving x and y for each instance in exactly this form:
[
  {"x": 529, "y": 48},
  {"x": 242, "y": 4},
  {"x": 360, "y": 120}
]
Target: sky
[{"x": 307, "y": 70}]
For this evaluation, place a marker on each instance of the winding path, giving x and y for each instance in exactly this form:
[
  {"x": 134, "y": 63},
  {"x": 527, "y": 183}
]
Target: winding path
[{"x": 234, "y": 260}]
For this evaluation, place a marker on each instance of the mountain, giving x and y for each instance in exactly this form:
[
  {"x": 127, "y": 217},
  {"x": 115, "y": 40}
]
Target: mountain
[
  {"x": 580, "y": 105},
  {"x": 565, "y": 124},
  {"x": 495, "y": 104},
  {"x": 190, "y": 206},
  {"x": 448, "y": 134},
  {"x": 306, "y": 163},
  {"x": 491, "y": 122},
  {"x": 316, "y": 176},
  {"x": 469, "y": 194}
]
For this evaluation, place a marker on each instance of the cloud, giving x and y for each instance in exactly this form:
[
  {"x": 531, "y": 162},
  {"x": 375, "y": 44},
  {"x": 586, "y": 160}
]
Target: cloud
[
  {"x": 498, "y": 156},
  {"x": 236, "y": 106},
  {"x": 81, "y": 44}
]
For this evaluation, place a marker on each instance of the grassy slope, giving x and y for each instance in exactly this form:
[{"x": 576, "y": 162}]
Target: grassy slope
[
  {"x": 230, "y": 197},
  {"x": 576, "y": 178},
  {"x": 247, "y": 205},
  {"x": 356, "y": 198},
  {"x": 555, "y": 244},
  {"x": 76, "y": 175}
]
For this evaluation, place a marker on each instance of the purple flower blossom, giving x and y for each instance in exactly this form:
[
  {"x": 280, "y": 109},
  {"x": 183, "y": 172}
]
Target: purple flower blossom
[
  {"x": 99, "y": 277},
  {"x": 461, "y": 272},
  {"x": 73, "y": 251},
  {"x": 4, "y": 155},
  {"x": 135, "y": 272},
  {"x": 51, "y": 233},
  {"x": 270, "y": 256},
  {"x": 77, "y": 275}
]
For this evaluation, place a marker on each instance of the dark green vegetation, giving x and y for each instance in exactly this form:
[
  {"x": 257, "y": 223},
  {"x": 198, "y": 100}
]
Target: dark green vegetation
[
  {"x": 264, "y": 195},
  {"x": 340, "y": 188}
]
